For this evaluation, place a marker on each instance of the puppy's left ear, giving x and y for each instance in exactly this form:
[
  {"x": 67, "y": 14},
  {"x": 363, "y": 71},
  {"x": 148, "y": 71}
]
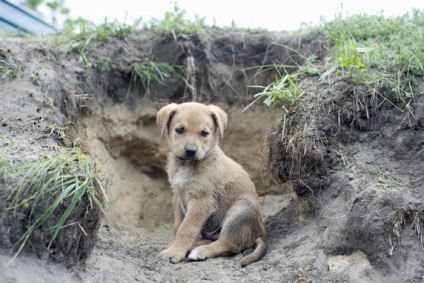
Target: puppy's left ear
[
  {"x": 164, "y": 116},
  {"x": 219, "y": 117}
]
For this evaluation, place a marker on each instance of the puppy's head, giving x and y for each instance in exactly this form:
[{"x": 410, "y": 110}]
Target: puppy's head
[{"x": 192, "y": 128}]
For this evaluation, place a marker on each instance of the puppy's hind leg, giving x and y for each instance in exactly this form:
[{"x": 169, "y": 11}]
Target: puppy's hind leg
[
  {"x": 240, "y": 230},
  {"x": 214, "y": 249}
]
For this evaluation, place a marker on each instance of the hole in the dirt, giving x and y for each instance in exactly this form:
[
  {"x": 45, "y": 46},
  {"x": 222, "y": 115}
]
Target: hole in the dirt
[{"x": 129, "y": 148}]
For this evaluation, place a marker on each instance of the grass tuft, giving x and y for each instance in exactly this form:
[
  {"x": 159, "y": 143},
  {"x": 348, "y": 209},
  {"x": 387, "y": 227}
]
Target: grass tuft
[
  {"x": 8, "y": 70},
  {"x": 175, "y": 23},
  {"x": 82, "y": 36},
  {"x": 149, "y": 73},
  {"x": 65, "y": 177},
  {"x": 283, "y": 89}
]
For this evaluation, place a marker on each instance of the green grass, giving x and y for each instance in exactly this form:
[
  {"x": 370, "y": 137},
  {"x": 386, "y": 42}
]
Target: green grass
[
  {"x": 384, "y": 54},
  {"x": 5, "y": 166},
  {"x": 82, "y": 36},
  {"x": 8, "y": 70},
  {"x": 283, "y": 89},
  {"x": 103, "y": 64},
  {"x": 67, "y": 176},
  {"x": 149, "y": 73},
  {"x": 175, "y": 23},
  {"x": 361, "y": 27},
  {"x": 362, "y": 44}
]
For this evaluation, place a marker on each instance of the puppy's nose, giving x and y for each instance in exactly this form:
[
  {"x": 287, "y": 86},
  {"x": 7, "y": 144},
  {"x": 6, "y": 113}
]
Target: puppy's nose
[{"x": 190, "y": 152}]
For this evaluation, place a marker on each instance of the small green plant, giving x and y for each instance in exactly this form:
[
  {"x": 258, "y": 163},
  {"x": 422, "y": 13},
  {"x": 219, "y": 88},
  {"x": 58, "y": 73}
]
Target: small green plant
[
  {"x": 175, "y": 23},
  {"x": 4, "y": 164},
  {"x": 8, "y": 70},
  {"x": 347, "y": 58},
  {"x": 4, "y": 141},
  {"x": 309, "y": 67},
  {"x": 284, "y": 89},
  {"x": 382, "y": 181},
  {"x": 149, "y": 73},
  {"x": 103, "y": 64},
  {"x": 67, "y": 176}
]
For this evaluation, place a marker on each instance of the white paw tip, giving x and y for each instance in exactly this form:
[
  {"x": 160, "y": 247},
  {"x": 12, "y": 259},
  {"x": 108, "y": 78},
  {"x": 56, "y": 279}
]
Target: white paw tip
[{"x": 193, "y": 255}]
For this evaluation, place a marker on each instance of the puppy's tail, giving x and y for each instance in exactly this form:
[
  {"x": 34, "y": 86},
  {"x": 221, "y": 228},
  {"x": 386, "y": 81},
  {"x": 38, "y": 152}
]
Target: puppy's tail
[{"x": 257, "y": 254}]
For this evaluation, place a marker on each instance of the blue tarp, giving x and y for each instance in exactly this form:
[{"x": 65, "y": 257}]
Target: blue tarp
[{"x": 19, "y": 19}]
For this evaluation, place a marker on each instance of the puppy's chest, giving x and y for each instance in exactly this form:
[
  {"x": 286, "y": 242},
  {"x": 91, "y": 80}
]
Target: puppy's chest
[
  {"x": 188, "y": 184},
  {"x": 184, "y": 179}
]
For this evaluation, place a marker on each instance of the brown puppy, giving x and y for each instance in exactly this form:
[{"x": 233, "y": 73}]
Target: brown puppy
[{"x": 215, "y": 203}]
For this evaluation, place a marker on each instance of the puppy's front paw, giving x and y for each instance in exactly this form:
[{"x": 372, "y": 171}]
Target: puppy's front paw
[
  {"x": 199, "y": 253},
  {"x": 173, "y": 254}
]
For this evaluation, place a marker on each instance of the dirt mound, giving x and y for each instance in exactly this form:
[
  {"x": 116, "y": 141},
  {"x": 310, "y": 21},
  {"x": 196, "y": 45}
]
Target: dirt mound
[
  {"x": 357, "y": 162},
  {"x": 353, "y": 161},
  {"x": 33, "y": 109}
]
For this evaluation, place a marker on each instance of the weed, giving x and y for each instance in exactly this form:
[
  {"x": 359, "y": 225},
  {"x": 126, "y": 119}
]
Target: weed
[
  {"x": 103, "y": 64},
  {"x": 5, "y": 165},
  {"x": 309, "y": 67},
  {"x": 148, "y": 74},
  {"x": 8, "y": 70},
  {"x": 175, "y": 23},
  {"x": 348, "y": 58},
  {"x": 67, "y": 176},
  {"x": 82, "y": 35},
  {"x": 283, "y": 89},
  {"x": 6, "y": 170},
  {"x": 6, "y": 141},
  {"x": 382, "y": 181}
]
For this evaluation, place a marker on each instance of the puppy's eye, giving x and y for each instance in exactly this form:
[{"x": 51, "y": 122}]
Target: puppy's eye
[
  {"x": 179, "y": 131},
  {"x": 204, "y": 134}
]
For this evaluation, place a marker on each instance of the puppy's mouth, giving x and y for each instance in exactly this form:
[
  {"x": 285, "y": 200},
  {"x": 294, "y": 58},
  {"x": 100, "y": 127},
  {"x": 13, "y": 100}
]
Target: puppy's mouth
[{"x": 187, "y": 158}]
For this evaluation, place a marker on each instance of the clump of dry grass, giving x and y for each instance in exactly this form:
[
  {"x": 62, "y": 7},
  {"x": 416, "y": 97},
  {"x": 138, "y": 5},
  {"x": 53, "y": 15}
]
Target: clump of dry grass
[
  {"x": 296, "y": 146},
  {"x": 302, "y": 276},
  {"x": 393, "y": 225}
]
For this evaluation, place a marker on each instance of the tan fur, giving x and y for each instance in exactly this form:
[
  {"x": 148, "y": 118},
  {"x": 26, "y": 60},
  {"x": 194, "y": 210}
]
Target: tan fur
[{"x": 211, "y": 191}]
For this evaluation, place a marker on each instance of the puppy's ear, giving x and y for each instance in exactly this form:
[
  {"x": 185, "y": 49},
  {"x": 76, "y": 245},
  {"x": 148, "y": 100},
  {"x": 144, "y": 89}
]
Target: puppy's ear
[
  {"x": 219, "y": 117},
  {"x": 165, "y": 115}
]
